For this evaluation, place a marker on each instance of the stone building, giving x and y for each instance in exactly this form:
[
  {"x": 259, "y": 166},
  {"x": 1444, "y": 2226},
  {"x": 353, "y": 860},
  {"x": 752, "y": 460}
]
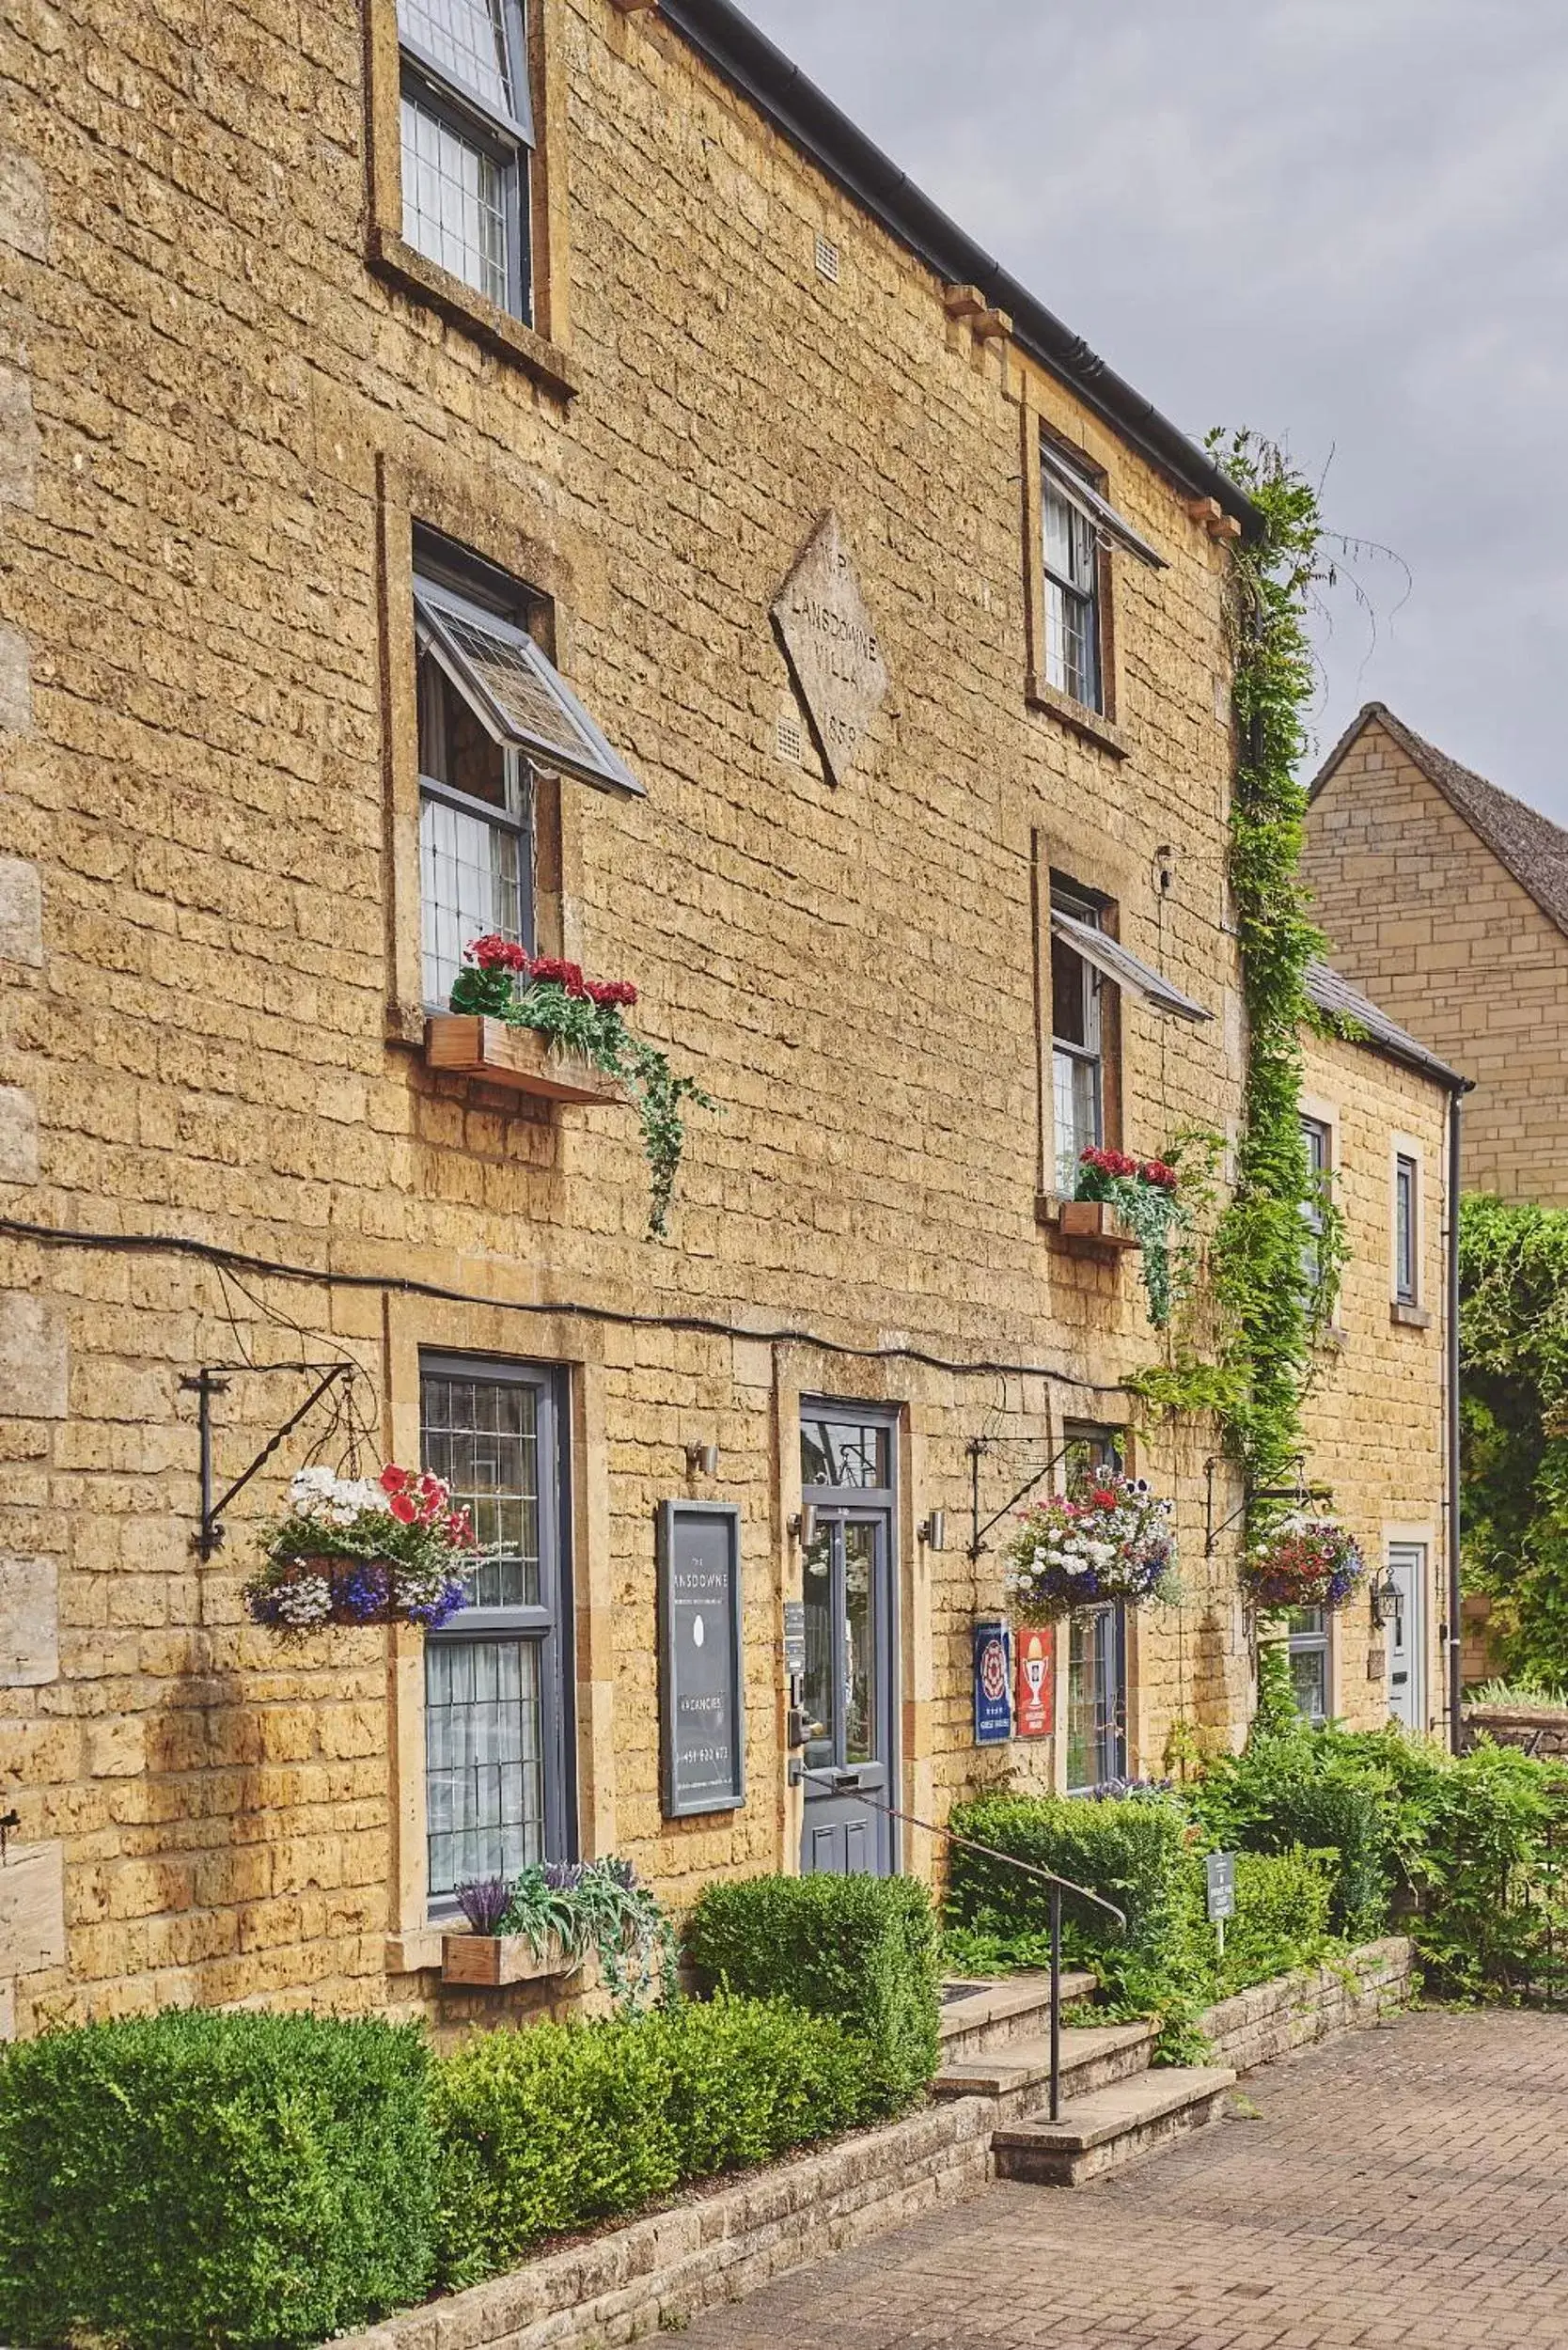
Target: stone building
[
  {"x": 1379, "y": 1113},
  {"x": 1447, "y": 899},
  {"x": 469, "y": 468}
]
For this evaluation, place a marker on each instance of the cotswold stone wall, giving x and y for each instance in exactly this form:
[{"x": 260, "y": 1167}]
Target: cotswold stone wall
[
  {"x": 1423, "y": 918},
  {"x": 1258, "y": 2026},
  {"x": 1374, "y": 1416},
  {"x": 218, "y": 427}
]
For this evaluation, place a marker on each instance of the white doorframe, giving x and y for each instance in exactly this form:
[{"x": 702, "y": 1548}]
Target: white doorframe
[{"x": 1408, "y": 1563}]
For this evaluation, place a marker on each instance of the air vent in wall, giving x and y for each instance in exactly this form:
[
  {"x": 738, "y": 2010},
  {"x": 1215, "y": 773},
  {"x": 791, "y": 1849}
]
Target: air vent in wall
[
  {"x": 827, "y": 261},
  {"x": 791, "y": 741}
]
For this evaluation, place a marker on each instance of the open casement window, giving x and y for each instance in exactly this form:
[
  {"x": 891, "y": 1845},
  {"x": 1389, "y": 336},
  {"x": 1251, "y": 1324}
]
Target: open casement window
[
  {"x": 1077, "y": 1060},
  {"x": 1077, "y": 525},
  {"x": 498, "y": 1678},
  {"x": 467, "y": 141},
  {"x": 494, "y": 712},
  {"x": 1086, "y": 961}
]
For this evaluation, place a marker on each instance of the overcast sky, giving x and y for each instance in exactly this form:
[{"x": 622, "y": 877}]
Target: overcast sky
[{"x": 1345, "y": 222}]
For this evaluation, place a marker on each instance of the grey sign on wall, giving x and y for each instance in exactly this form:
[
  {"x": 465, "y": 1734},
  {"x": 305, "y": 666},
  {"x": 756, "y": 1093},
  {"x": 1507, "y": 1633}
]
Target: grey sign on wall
[{"x": 701, "y": 1690}]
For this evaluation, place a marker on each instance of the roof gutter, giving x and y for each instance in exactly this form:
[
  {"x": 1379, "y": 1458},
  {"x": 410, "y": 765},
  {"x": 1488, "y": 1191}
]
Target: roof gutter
[{"x": 746, "y": 59}]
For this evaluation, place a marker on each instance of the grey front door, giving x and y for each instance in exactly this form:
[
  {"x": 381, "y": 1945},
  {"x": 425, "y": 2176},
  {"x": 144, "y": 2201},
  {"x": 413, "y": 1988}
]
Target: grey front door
[{"x": 848, "y": 1694}]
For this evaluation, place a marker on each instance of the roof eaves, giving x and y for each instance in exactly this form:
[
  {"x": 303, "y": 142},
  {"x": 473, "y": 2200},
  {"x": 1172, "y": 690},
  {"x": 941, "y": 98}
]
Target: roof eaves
[
  {"x": 745, "y": 58},
  {"x": 1334, "y": 995}
]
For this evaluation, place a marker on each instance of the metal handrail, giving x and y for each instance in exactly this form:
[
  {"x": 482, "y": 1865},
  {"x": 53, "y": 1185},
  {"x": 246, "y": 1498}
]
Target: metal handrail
[{"x": 1058, "y": 1885}]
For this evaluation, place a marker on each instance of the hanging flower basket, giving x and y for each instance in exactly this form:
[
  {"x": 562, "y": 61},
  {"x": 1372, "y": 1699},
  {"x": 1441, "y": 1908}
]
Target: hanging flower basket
[
  {"x": 1303, "y": 1561},
  {"x": 1109, "y": 1539},
  {"x": 356, "y": 1551},
  {"x": 1146, "y": 1196}
]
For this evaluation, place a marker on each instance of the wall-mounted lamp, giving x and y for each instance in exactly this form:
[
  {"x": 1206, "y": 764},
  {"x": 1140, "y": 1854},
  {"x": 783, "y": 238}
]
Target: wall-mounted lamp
[
  {"x": 804, "y": 1528},
  {"x": 933, "y": 1530},
  {"x": 1386, "y": 1597},
  {"x": 702, "y": 1458}
]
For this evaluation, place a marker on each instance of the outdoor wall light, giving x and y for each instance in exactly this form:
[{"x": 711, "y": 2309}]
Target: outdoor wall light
[
  {"x": 1384, "y": 1598},
  {"x": 933, "y": 1530},
  {"x": 703, "y": 1457},
  {"x": 804, "y": 1528}
]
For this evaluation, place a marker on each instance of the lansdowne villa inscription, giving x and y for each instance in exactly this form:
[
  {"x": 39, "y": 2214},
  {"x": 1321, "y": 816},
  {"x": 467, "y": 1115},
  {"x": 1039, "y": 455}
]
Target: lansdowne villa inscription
[{"x": 832, "y": 647}]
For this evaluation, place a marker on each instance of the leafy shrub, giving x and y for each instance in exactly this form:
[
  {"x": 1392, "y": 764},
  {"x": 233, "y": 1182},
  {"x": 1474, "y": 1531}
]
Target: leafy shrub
[
  {"x": 1318, "y": 1791},
  {"x": 860, "y": 1949},
  {"x": 233, "y": 2179},
  {"x": 1132, "y": 1851},
  {"x": 550, "y": 2129},
  {"x": 750, "y": 2078},
  {"x": 1282, "y": 1922},
  {"x": 1473, "y": 1848}
]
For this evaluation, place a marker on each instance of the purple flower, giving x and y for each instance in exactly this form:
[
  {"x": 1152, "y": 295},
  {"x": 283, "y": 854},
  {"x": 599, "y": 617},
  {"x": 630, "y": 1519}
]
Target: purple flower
[
  {"x": 484, "y": 1902},
  {"x": 363, "y": 1592}
]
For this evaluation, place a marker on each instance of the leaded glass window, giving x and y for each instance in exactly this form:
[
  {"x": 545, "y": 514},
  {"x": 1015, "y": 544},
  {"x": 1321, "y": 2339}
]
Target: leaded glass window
[
  {"x": 1071, "y": 562},
  {"x": 468, "y": 133},
  {"x": 1078, "y": 1061}
]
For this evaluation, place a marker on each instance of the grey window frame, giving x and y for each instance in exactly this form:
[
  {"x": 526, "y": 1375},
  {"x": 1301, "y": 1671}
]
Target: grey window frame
[
  {"x": 507, "y": 139},
  {"x": 1097, "y": 1447},
  {"x": 1315, "y": 1642},
  {"x": 1318, "y": 1137},
  {"x": 1092, "y": 1053},
  {"x": 1088, "y": 600},
  {"x": 550, "y": 1622},
  {"x": 1407, "y": 1191},
  {"x": 518, "y": 819}
]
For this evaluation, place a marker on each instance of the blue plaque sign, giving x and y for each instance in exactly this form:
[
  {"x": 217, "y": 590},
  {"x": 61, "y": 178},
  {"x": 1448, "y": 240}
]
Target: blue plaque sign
[
  {"x": 701, "y": 1692},
  {"x": 992, "y": 1682}
]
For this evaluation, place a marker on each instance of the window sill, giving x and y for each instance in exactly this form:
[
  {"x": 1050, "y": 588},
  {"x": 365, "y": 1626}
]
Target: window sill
[
  {"x": 1082, "y": 720},
  {"x": 463, "y": 1044},
  {"x": 403, "y": 265},
  {"x": 1083, "y": 1226},
  {"x": 1409, "y": 1317},
  {"x": 413, "y": 1952}
]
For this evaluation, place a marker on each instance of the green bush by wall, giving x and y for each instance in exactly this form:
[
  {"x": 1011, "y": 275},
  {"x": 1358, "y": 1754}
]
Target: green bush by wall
[
  {"x": 551, "y": 2129},
  {"x": 195, "y": 2179},
  {"x": 1129, "y": 1850},
  {"x": 860, "y": 1949}
]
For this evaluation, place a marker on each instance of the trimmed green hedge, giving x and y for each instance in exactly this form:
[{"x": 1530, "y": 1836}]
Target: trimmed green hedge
[
  {"x": 200, "y": 2178},
  {"x": 860, "y": 1949},
  {"x": 1132, "y": 1851},
  {"x": 555, "y": 2127}
]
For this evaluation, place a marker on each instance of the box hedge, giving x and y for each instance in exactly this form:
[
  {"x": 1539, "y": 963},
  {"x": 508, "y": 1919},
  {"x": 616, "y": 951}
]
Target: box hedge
[
  {"x": 862, "y": 1950},
  {"x": 1132, "y": 1851},
  {"x": 551, "y": 2129},
  {"x": 201, "y": 2178}
]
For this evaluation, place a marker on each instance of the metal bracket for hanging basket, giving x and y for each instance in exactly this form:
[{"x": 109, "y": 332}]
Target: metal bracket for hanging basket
[
  {"x": 977, "y": 1449},
  {"x": 1300, "y": 1493},
  {"x": 213, "y": 1380}
]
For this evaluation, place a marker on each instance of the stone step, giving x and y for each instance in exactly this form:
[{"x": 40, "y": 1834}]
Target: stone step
[
  {"x": 981, "y": 2015},
  {"x": 1092, "y": 2056},
  {"x": 1110, "y": 2126}
]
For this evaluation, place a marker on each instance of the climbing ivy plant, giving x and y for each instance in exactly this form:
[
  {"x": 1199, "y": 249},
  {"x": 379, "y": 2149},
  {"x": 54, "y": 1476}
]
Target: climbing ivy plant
[{"x": 1513, "y": 1452}]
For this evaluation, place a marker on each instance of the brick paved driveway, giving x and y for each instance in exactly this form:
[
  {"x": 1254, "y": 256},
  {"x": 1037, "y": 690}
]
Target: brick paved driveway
[{"x": 1406, "y": 2186}]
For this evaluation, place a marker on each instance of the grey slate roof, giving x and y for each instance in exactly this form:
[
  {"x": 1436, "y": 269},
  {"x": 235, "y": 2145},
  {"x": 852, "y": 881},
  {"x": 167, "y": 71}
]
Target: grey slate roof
[
  {"x": 1333, "y": 995},
  {"x": 1526, "y": 843}
]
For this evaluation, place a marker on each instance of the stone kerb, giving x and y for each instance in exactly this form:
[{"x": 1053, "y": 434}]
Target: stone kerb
[{"x": 1272, "y": 2018}]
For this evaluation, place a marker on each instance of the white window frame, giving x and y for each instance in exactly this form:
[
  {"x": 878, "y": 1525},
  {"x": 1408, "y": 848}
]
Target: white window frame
[
  {"x": 1091, "y": 1054},
  {"x": 1064, "y": 594},
  {"x": 503, "y": 137},
  {"x": 1317, "y": 1641}
]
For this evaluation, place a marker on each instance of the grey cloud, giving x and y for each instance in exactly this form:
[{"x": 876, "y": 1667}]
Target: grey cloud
[{"x": 1340, "y": 221}]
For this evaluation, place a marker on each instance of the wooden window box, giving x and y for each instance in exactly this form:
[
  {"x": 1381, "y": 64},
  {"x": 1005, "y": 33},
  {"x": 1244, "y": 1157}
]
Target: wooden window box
[
  {"x": 488, "y": 1962},
  {"x": 469, "y": 1045},
  {"x": 1093, "y": 1223}
]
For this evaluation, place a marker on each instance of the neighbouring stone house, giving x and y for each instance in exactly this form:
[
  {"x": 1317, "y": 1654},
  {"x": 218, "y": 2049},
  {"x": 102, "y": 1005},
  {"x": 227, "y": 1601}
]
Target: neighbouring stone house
[
  {"x": 1447, "y": 899},
  {"x": 1376, "y": 1111},
  {"x": 467, "y": 468}
]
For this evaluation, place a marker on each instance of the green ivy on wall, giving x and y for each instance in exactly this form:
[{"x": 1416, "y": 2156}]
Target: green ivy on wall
[{"x": 1514, "y": 1450}]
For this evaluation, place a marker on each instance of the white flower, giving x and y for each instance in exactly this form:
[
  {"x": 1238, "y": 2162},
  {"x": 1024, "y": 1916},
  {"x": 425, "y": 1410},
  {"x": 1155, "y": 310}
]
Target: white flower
[{"x": 306, "y": 1602}]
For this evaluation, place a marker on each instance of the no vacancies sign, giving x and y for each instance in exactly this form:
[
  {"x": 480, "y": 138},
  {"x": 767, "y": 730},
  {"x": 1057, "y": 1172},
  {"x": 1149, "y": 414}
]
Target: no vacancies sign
[{"x": 701, "y": 1703}]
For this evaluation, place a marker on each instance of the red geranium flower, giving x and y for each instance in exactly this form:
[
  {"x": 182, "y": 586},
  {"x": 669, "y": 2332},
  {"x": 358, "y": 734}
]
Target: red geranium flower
[
  {"x": 1156, "y": 1171},
  {"x": 394, "y": 1480},
  {"x": 550, "y": 971},
  {"x": 494, "y": 953},
  {"x": 403, "y": 1508},
  {"x": 619, "y": 993}
]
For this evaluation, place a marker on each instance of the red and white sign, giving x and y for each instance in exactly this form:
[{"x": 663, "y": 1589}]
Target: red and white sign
[{"x": 1035, "y": 1714}]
